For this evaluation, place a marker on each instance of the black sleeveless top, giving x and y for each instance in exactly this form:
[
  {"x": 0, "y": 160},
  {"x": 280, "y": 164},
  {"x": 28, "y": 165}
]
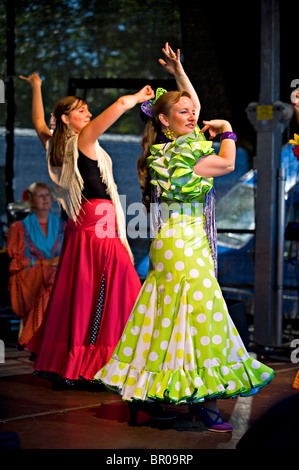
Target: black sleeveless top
[{"x": 94, "y": 187}]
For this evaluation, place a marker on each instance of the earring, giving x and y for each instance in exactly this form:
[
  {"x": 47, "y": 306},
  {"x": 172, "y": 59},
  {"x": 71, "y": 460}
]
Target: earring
[{"x": 169, "y": 134}]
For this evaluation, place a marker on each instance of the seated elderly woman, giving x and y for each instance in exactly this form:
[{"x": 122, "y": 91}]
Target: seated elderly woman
[{"x": 33, "y": 244}]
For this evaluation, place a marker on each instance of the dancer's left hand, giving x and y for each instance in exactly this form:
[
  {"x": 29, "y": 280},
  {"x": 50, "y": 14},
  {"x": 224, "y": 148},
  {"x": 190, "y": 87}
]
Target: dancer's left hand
[{"x": 172, "y": 62}]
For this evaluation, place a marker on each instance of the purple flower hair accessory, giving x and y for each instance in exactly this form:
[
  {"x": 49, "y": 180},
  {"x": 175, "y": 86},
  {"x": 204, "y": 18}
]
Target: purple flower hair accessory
[{"x": 147, "y": 106}]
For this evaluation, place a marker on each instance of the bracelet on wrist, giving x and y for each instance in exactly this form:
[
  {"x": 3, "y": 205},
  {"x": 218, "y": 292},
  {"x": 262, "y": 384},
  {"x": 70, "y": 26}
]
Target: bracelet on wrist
[{"x": 228, "y": 135}]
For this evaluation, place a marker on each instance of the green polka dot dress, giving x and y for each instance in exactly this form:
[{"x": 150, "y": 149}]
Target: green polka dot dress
[{"x": 180, "y": 344}]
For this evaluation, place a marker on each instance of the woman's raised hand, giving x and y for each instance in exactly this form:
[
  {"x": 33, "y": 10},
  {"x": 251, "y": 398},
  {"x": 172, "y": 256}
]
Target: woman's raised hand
[
  {"x": 37, "y": 109},
  {"x": 172, "y": 62},
  {"x": 33, "y": 79},
  {"x": 146, "y": 93},
  {"x": 216, "y": 126}
]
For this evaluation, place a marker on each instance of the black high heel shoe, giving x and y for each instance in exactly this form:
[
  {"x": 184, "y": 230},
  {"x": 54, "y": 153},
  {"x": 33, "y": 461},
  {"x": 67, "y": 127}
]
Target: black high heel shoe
[{"x": 151, "y": 408}]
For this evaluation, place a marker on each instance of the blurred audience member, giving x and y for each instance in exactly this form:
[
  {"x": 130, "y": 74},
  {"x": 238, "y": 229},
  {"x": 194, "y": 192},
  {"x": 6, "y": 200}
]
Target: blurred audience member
[{"x": 33, "y": 244}]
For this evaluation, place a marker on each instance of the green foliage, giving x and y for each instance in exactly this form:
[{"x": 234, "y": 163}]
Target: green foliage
[{"x": 60, "y": 39}]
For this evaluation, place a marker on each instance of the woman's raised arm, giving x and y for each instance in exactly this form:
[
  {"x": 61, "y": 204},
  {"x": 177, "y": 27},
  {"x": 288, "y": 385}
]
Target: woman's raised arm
[
  {"x": 210, "y": 166},
  {"x": 38, "y": 114},
  {"x": 92, "y": 131},
  {"x": 173, "y": 65}
]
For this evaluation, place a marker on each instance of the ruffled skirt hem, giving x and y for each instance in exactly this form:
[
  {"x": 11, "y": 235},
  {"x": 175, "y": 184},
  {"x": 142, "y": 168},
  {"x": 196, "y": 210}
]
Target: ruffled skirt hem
[{"x": 184, "y": 386}]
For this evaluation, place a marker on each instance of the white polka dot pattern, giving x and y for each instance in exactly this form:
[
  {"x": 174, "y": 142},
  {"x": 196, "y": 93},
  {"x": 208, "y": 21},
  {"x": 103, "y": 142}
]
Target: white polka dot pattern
[{"x": 180, "y": 344}]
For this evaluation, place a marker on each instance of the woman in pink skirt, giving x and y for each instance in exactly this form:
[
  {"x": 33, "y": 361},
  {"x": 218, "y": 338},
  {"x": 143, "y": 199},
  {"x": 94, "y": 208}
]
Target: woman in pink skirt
[{"x": 96, "y": 284}]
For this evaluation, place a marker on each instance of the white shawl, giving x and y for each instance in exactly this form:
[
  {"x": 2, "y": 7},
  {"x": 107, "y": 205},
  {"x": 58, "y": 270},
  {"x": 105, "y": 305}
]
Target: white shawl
[{"x": 68, "y": 184}]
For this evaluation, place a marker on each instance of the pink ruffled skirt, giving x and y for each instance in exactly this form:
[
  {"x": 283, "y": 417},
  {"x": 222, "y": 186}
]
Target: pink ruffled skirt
[{"x": 95, "y": 290}]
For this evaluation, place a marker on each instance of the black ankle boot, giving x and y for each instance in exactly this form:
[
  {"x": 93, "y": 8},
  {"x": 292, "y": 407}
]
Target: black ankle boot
[{"x": 151, "y": 408}]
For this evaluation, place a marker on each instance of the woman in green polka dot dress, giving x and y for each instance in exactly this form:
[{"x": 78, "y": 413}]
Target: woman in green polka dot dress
[{"x": 180, "y": 345}]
